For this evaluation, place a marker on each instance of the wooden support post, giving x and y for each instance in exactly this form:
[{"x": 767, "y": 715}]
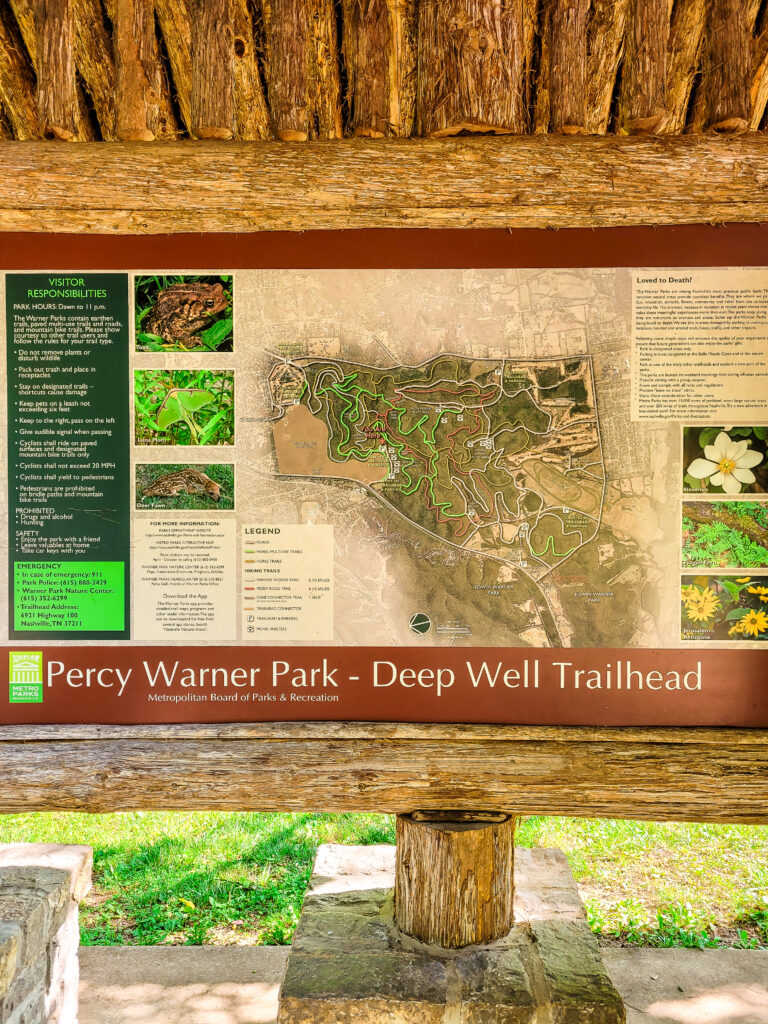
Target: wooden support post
[
  {"x": 251, "y": 113},
  {"x": 454, "y": 876},
  {"x": 138, "y": 71},
  {"x": 471, "y": 67},
  {"x": 568, "y": 67},
  {"x": 304, "y": 83},
  {"x": 56, "y": 97},
  {"x": 380, "y": 59},
  {"x": 605, "y": 33},
  {"x": 212, "y": 70},
  {"x": 642, "y": 103},
  {"x": 728, "y": 67}
]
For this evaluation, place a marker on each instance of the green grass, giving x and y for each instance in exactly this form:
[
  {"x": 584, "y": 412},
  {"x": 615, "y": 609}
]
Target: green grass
[{"x": 240, "y": 878}]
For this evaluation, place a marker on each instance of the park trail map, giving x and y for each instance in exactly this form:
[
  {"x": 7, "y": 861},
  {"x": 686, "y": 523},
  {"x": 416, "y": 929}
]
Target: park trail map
[{"x": 467, "y": 434}]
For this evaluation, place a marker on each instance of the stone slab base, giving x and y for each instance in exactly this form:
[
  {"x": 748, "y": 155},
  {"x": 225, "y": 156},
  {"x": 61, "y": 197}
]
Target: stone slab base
[{"x": 350, "y": 965}]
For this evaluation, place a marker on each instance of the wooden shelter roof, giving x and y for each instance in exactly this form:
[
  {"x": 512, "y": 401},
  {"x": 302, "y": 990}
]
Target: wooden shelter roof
[
  {"x": 94, "y": 70},
  {"x": 568, "y": 112}
]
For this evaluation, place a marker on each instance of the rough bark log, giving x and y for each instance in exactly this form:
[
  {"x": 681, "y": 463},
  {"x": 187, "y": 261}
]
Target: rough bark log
[
  {"x": 138, "y": 71},
  {"x": 702, "y": 513},
  {"x": 728, "y": 67},
  {"x": 213, "y": 105},
  {"x": 174, "y": 19},
  {"x": 605, "y": 40},
  {"x": 530, "y": 43},
  {"x": 759, "y": 88},
  {"x": 568, "y": 70},
  {"x": 92, "y": 51},
  {"x": 653, "y": 774},
  {"x": 56, "y": 93},
  {"x": 465, "y": 182},
  {"x": 304, "y": 84},
  {"x": 642, "y": 104},
  {"x": 95, "y": 62},
  {"x": 380, "y": 60},
  {"x": 167, "y": 122},
  {"x": 252, "y": 118},
  {"x": 25, "y": 18},
  {"x": 454, "y": 877},
  {"x": 17, "y": 81},
  {"x": 543, "y": 99},
  {"x": 697, "y": 117},
  {"x": 471, "y": 67},
  {"x": 6, "y": 128},
  {"x": 683, "y": 61}
]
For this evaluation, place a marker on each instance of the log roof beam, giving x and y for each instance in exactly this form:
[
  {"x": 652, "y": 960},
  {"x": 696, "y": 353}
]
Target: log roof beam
[{"x": 510, "y": 181}]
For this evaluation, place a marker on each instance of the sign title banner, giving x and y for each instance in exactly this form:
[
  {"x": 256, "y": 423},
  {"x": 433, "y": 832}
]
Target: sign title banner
[{"x": 132, "y": 685}]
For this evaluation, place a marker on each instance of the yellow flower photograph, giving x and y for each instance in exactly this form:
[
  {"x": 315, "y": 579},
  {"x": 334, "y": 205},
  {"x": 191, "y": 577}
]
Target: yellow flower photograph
[{"x": 724, "y": 608}]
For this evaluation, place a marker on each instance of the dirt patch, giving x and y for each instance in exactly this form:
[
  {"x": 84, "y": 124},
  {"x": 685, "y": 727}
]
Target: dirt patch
[{"x": 301, "y": 445}]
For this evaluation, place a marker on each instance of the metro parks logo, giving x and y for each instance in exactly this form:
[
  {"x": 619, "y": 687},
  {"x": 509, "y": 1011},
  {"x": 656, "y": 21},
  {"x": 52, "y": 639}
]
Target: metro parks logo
[{"x": 25, "y": 677}]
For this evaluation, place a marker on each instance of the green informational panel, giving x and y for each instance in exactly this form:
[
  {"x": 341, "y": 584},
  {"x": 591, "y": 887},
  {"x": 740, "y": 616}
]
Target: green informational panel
[{"x": 68, "y": 455}]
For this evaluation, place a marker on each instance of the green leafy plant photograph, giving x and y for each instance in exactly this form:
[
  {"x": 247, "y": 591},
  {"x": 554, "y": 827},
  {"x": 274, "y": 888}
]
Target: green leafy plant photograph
[
  {"x": 184, "y": 313},
  {"x": 725, "y": 460},
  {"x": 184, "y": 407},
  {"x": 186, "y": 486},
  {"x": 725, "y": 534},
  {"x": 724, "y": 608}
]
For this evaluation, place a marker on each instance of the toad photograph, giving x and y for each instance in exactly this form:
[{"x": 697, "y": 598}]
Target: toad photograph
[{"x": 183, "y": 313}]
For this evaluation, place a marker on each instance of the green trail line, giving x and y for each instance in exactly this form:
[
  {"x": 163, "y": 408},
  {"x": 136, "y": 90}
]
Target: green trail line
[
  {"x": 354, "y": 402},
  {"x": 551, "y": 542}
]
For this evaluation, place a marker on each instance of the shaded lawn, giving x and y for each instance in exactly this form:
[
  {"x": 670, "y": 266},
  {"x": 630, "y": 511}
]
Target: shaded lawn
[{"x": 221, "y": 878}]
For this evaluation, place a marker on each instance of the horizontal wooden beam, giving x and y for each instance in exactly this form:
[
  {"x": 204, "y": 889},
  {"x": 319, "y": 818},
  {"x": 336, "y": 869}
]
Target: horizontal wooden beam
[
  {"x": 656, "y": 774},
  {"x": 525, "y": 182}
]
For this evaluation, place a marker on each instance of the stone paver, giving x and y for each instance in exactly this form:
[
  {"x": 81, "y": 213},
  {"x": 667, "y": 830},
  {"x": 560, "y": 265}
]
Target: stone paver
[
  {"x": 180, "y": 984},
  {"x": 691, "y": 986},
  {"x": 240, "y": 985}
]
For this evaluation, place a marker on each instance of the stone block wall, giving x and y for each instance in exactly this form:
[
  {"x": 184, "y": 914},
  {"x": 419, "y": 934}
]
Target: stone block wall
[{"x": 41, "y": 886}]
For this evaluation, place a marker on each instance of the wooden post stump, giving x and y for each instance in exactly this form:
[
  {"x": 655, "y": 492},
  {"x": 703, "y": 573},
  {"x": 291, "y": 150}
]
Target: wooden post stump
[{"x": 454, "y": 882}]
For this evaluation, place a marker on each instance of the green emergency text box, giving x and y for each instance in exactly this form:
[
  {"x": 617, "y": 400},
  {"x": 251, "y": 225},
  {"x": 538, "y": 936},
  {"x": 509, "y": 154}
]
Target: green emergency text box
[{"x": 69, "y": 596}]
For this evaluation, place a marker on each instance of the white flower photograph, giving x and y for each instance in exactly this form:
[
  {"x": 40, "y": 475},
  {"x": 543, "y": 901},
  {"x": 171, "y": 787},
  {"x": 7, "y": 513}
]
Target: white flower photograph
[{"x": 725, "y": 460}]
